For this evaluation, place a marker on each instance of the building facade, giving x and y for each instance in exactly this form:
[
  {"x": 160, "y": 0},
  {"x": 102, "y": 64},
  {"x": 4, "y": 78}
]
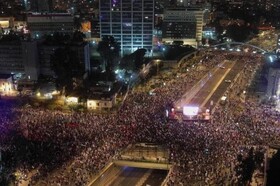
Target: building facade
[
  {"x": 11, "y": 58},
  {"x": 44, "y": 24},
  {"x": 130, "y": 22},
  {"x": 19, "y": 58},
  {"x": 184, "y": 24},
  {"x": 29, "y": 59},
  {"x": 38, "y": 5},
  {"x": 6, "y": 84},
  {"x": 46, "y": 51},
  {"x": 97, "y": 102}
]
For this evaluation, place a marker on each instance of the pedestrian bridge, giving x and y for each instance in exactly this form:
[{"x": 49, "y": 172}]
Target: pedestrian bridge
[
  {"x": 147, "y": 156},
  {"x": 240, "y": 43},
  {"x": 142, "y": 164}
]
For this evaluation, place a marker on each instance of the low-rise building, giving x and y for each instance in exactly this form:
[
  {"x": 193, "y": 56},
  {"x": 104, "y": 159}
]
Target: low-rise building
[
  {"x": 101, "y": 101},
  {"x": 6, "y": 84}
]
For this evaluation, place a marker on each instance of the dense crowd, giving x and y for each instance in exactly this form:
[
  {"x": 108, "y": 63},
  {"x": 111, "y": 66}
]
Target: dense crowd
[{"x": 70, "y": 148}]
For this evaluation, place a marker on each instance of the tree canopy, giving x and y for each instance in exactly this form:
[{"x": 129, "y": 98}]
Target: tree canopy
[
  {"x": 109, "y": 50},
  {"x": 133, "y": 61},
  {"x": 66, "y": 66},
  {"x": 238, "y": 33}
]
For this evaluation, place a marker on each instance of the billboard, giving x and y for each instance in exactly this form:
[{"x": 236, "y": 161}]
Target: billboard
[{"x": 190, "y": 110}]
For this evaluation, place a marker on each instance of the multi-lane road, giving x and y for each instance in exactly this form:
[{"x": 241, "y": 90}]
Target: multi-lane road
[
  {"x": 128, "y": 176},
  {"x": 209, "y": 90}
]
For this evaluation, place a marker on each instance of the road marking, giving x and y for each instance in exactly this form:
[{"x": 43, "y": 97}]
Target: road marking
[
  {"x": 144, "y": 178},
  {"x": 216, "y": 86},
  {"x": 193, "y": 90}
]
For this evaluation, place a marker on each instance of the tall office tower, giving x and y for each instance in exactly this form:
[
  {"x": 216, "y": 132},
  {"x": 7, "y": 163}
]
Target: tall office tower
[{"x": 130, "y": 22}]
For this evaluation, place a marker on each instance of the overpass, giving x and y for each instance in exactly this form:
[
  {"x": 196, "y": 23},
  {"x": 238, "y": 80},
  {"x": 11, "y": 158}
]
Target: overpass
[
  {"x": 240, "y": 43},
  {"x": 142, "y": 164},
  {"x": 139, "y": 164}
]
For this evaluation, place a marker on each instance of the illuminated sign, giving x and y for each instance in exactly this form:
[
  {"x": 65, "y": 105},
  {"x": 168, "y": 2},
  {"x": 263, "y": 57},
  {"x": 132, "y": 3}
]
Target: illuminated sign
[
  {"x": 190, "y": 110},
  {"x": 4, "y": 24}
]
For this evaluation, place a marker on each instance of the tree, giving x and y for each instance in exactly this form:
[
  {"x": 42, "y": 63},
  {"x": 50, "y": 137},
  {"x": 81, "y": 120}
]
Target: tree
[
  {"x": 66, "y": 65},
  {"x": 238, "y": 33},
  {"x": 133, "y": 61},
  {"x": 127, "y": 63},
  {"x": 139, "y": 57},
  {"x": 78, "y": 37},
  {"x": 109, "y": 51}
]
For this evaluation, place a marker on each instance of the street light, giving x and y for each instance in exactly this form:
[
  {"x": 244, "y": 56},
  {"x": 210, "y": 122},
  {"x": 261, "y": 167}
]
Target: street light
[{"x": 157, "y": 63}]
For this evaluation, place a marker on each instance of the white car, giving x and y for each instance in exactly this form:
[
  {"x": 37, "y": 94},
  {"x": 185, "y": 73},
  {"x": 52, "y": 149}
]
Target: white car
[{"x": 228, "y": 81}]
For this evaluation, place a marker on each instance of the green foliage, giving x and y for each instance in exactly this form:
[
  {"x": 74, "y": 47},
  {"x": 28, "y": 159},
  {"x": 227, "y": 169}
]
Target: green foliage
[
  {"x": 78, "y": 37},
  {"x": 133, "y": 61},
  {"x": 66, "y": 65},
  {"x": 109, "y": 51},
  {"x": 238, "y": 33},
  {"x": 10, "y": 37}
]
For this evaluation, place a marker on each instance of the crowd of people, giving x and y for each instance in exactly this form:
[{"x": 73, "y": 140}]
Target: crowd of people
[{"x": 70, "y": 148}]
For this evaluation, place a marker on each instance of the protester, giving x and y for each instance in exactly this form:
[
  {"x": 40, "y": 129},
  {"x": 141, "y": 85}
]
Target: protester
[{"x": 70, "y": 148}]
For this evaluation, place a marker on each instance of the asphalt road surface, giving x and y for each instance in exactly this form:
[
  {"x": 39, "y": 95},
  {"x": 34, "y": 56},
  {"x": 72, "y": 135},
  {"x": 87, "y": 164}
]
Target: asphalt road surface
[
  {"x": 130, "y": 176},
  {"x": 221, "y": 89},
  {"x": 211, "y": 85},
  {"x": 217, "y": 85}
]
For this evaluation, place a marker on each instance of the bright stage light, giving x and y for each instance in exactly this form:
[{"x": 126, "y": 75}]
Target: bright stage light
[{"x": 190, "y": 110}]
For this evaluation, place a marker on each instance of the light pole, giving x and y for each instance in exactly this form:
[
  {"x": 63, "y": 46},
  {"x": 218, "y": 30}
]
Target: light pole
[{"x": 157, "y": 63}]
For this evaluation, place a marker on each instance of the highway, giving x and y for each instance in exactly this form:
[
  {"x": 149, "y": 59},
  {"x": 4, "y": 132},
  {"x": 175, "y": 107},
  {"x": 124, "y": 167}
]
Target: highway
[
  {"x": 211, "y": 85},
  {"x": 128, "y": 176},
  {"x": 223, "y": 86},
  {"x": 214, "y": 85}
]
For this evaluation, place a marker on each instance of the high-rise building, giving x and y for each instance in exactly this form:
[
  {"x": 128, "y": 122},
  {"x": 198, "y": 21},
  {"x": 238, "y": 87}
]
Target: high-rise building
[
  {"x": 19, "y": 57},
  {"x": 46, "y": 51},
  {"x": 184, "y": 24},
  {"x": 130, "y": 22},
  {"x": 43, "y": 24}
]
